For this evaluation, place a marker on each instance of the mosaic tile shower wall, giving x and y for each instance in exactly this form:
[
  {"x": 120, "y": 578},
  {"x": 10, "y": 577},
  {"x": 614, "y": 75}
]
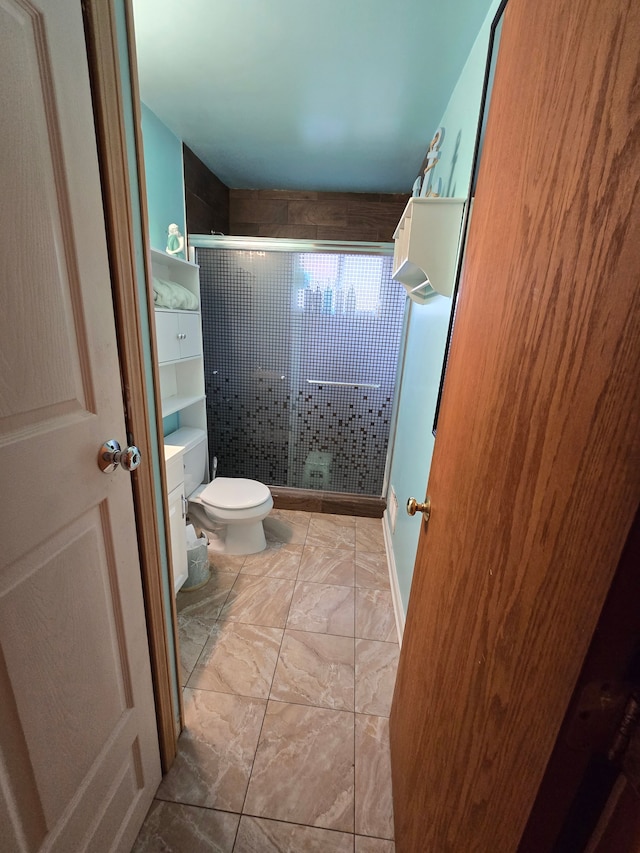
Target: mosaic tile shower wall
[{"x": 300, "y": 355}]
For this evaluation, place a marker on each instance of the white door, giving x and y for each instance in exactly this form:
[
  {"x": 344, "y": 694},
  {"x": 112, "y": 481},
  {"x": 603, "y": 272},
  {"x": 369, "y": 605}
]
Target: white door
[{"x": 79, "y": 757}]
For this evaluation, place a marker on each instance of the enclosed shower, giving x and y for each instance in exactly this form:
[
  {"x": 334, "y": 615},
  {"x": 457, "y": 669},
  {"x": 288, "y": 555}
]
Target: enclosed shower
[{"x": 301, "y": 346}]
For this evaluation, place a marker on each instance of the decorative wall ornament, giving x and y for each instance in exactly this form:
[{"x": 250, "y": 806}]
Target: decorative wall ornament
[
  {"x": 429, "y": 189},
  {"x": 175, "y": 241}
]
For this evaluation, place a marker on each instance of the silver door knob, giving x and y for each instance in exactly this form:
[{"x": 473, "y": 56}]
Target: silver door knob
[
  {"x": 413, "y": 506},
  {"x": 110, "y": 456}
]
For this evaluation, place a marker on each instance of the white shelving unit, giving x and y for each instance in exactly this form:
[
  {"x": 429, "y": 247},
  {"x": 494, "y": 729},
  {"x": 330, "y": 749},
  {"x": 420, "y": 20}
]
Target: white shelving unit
[
  {"x": 179, "y": 338},
  {"x": 426, "y": 246}
]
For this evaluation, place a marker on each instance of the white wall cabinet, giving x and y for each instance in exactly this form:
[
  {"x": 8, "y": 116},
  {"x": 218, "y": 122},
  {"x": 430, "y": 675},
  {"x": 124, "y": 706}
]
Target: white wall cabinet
[
  {"x": 179, "y": 335},
  {"x": 426, "y": 246},
  {"x": 179, "y": 344}
]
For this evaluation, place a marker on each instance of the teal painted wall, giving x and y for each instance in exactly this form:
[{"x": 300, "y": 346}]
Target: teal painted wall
[
  {"x": 155, "y": 461},
  {"x": 164, "y": 177},
  {"x": 428, "y": 324}
]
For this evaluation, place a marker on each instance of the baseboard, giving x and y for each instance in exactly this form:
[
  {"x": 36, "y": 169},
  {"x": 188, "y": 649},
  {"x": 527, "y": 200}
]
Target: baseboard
[
  {"x": 340, "y": 503},
  {"x": 393, "y": 578}
]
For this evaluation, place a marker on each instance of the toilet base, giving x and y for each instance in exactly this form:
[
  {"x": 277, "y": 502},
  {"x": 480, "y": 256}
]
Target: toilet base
[
  {"x": 244, "y": 538},
  {"x": 237, "y": 539}
]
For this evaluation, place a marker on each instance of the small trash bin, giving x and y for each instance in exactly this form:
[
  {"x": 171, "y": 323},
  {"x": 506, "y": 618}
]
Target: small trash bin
[{"x": 197, "y": 560}]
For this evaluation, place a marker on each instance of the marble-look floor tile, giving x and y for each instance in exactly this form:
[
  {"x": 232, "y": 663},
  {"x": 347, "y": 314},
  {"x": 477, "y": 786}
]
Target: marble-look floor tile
[
  {"x": 376, "y": 667},
  {"x": 258, "y": 601},
  {"x": 374, "y": 845},
  {"x": 369, "y": 535},
  {"x": 334, "y": 518},
  {"x": 327, "y": 565},
  {"x": 372, "y": 570},
  {"x": 192, "y": 634},
  {"x": 225, "y": 562},
  {"x": 287, "y": 526},
  {"x": 315, "y": 669},
  {"x": 323, "y": 608},
  {"x": 258, "y": 835},
  {"x": 175, "y": 828},
  {"x": 331, "y": 531},
  {"x": 238, "y": 658},
  {"x": 215, "y": 750},
  {"x": 374, "y": 801},
  {"x": 303, "y": 770},
  {"x": 375, "y": 619},
  {"x": 280, "y": 562},
  {"x": 206, "y": 602}
]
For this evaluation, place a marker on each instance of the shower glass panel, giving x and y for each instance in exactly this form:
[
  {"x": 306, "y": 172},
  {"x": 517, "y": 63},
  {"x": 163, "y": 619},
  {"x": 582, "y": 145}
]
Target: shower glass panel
[{"x": 301, "y": 352}]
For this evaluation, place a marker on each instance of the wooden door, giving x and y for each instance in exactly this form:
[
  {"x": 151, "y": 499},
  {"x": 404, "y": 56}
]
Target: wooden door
[
  {"x": 535, "y": 477},
  {"x": 79, "y": 757}
]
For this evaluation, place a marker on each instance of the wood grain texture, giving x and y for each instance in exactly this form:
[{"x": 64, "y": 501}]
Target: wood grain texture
[
  {"x": 338, "y": 503},
  {"x": 107, "y": 95},
  {"x": 611, "y": 659},
  {"x": 207, "y": 198},
  {"x": 315, "y": 215},
  {"x": 535, "y": 477}
]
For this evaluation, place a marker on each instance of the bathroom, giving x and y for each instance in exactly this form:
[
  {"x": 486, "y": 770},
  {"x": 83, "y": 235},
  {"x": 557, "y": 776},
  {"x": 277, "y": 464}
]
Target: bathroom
[{"x": 177, "y": 179}]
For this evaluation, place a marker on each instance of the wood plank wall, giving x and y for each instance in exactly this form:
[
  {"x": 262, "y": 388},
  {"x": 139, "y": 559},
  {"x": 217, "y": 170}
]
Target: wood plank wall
[
  {"x": 207, "y": 198},
  {"x": 296, "y": 214},
  {"x": 315, "y": 215}
]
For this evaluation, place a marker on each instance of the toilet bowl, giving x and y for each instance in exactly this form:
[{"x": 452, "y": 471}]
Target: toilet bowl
[
  {"x": 230, "y": 508},
  {"x": 236, "y": 505}
]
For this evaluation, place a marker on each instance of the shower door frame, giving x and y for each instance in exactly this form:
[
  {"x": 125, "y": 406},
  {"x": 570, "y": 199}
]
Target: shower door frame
[{"x": 338, "y": 247}]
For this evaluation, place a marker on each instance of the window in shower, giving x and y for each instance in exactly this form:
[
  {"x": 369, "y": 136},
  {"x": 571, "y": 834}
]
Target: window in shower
[{"x": 301, "y": 351}]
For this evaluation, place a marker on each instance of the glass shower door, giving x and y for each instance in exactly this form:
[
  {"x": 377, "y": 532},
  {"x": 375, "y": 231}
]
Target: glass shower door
[{"x": 301, "y": 351}]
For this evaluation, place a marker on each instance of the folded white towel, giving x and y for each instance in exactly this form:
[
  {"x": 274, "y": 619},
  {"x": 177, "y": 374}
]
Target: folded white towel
[{"x": 168, "y": 294}]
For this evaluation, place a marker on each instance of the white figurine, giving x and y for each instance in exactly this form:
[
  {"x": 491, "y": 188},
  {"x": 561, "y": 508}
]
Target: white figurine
[{"x": 175, "y": 241}]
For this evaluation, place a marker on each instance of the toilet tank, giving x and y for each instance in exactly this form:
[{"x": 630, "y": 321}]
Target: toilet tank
[{"x": 194, "y": 458}]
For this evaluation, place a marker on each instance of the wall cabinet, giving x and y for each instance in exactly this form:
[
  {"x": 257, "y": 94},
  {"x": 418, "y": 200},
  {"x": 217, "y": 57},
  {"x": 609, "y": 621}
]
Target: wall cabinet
[
  {"x": 179, "y": 345},
  {"x": 179, "y": 335},
  {"x": 426, "y": 246}
]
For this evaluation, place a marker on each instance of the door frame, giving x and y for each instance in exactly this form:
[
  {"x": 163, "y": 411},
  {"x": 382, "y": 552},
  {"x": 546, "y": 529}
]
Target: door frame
[{"x": 108, "y": 105}]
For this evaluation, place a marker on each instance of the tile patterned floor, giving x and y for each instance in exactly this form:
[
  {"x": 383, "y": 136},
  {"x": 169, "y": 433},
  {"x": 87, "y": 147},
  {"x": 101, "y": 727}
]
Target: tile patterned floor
[{"x": 288, "y": 665}]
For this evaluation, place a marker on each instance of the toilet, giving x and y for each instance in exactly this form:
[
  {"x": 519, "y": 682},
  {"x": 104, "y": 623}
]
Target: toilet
[{"x": 230, "y": 508}]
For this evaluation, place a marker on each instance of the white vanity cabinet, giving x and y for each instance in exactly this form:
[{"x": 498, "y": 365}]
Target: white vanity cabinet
[
  {"x": 179, "y": 345},
  {"x": 177, "y": 514}
]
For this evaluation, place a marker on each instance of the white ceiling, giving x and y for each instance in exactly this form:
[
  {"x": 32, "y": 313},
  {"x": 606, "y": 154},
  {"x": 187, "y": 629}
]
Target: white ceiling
[{"x": 333, "y": 95}]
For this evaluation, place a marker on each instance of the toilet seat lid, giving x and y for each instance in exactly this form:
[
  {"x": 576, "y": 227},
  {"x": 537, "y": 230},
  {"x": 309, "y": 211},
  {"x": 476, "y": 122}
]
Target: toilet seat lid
[{"x": 234, "y": 493}]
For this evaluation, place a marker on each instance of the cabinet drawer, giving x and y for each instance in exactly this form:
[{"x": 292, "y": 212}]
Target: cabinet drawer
[{"x": 174, "y": 467}]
